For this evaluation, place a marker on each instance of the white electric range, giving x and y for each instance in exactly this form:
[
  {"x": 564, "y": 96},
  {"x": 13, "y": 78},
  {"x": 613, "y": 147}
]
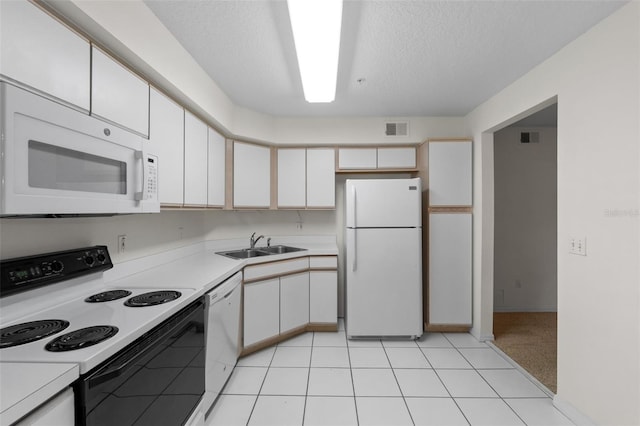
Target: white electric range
[
  {"x": 121, "y": 338},
  {"x": 130, "y": 322}
]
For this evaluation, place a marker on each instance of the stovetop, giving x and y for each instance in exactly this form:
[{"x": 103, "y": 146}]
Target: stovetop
[{"x": 130, "y": 322}]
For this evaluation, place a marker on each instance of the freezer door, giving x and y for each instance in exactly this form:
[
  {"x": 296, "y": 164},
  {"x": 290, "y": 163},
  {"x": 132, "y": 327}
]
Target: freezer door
[
  {"x": 384, "y": 282},
  {"x": 383, "y": 203}
]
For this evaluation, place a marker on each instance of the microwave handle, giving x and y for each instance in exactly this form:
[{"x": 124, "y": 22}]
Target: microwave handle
[{"x": 143, "y": 194}]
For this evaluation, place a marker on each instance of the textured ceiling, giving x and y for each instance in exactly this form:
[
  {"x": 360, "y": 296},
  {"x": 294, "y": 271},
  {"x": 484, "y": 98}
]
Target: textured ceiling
[{"x": 417, "y": 58}]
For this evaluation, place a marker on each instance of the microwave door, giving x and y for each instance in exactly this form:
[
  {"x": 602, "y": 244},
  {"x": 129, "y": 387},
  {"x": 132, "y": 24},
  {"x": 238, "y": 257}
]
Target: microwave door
[{"x": 79, "y": 165}]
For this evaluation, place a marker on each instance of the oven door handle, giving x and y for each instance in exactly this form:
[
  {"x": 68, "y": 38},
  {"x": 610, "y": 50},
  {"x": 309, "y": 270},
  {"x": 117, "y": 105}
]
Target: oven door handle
[{"x": 141, "y": 347}]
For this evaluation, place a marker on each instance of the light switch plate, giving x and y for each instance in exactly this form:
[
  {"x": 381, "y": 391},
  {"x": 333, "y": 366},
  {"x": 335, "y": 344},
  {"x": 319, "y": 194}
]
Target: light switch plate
[{"x": 578, "y": 246}]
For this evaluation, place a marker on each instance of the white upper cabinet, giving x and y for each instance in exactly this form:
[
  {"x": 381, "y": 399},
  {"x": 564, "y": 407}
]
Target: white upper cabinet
[
  {"x": 166, "y": 140},
  {"x": 357, "y": 158},
  {"x": 40, "y": 52},
  {"x": 195, "y": 161},
  {"x": 397, "y": 158},
  {"x": 251, "y": 175},
  {"x": 292, "y": 177},
  {"x": 118, "y": 95},
  {"x": 450, "y": 173},
  {"x": 321, "y": 177},
  {"x": 306, "y": 178},
  {"x": 216, "y": 169},
  {"x": 377, "y": 158}
]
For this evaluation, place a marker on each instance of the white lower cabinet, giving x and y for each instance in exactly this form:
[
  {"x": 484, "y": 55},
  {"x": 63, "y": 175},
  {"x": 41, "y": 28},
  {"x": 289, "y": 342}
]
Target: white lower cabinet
[
  {"x": 294, "y": 301},
  {"x": 261, "y": 310},
  {"x": 323, "y": 297},
  {"x": 450, "y": 269}
]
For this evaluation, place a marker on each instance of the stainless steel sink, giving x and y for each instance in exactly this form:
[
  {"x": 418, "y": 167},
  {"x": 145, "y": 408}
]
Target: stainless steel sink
[
  {"x": 244, "y": 253},
  {"x": 280, "y": 249},
  {"x": 260, "y": 251}
]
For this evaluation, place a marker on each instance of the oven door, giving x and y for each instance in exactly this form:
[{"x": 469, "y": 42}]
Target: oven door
[
  {"x": 157, "y": 380},
  {"x": 60, "y": 161}
]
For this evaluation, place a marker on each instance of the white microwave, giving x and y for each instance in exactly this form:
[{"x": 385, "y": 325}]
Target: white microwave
[{"x": 55, "y": 160}]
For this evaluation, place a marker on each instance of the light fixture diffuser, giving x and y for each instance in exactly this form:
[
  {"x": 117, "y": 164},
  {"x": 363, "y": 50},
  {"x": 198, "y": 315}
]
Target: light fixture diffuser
[{"x": 316, "y": 28}]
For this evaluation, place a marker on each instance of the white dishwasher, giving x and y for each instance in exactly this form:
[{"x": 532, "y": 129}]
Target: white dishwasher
[{"x": 222, "y": 328}]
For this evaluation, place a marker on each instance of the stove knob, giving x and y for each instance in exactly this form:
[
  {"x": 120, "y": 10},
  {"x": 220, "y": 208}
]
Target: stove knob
[
  {"x": 56, "y": 266},
  {"x": 101, "y": 257},
  {"x": 89, "y": 260}
]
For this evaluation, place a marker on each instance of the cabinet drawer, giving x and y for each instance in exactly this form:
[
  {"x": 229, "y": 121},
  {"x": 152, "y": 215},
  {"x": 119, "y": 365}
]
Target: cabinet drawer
[
  {"x": 270, "y": 269},
  {"x": 324, "y": 262}
]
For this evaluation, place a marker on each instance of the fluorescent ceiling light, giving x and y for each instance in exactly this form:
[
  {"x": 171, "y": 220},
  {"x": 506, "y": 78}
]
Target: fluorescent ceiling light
[{"x": 316, "y": 33}]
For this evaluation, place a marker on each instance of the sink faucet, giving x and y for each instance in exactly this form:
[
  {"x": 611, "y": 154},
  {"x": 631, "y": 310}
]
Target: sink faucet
[{"x": 253, "y": 241}]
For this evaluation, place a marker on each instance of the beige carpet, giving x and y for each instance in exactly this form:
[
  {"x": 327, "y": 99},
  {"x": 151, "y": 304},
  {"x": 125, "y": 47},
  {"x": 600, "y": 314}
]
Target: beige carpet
[{"x": 530, "y": 339}]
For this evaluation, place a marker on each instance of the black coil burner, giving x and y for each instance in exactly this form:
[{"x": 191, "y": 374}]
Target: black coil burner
[
  {"x": 81, "y": 338},
  {"x": 152, "y": 298},
  {"x": 107, "y": 296},
  {"x": 27, "y": 332}
]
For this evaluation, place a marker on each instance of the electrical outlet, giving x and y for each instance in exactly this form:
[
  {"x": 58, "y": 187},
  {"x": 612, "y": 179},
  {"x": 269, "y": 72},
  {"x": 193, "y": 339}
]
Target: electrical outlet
[
  {"x": 122, "y": 243},
  {"x": 578, "y": 246}
]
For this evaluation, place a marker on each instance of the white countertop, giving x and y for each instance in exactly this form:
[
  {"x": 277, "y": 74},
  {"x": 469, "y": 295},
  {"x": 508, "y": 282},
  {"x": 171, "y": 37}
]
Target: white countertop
[{"x": 24, "y": 386}]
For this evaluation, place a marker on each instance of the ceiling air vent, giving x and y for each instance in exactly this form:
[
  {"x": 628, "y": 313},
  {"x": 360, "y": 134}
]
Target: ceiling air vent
[
  {"x": 529, "y": 137},
  {"x": 397, "y": 129}
]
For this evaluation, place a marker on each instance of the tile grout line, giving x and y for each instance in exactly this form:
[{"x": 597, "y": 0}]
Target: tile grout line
[
  {"x": 306, "y": 394},
  {"x": 261, "y": 385},
  {"x": 447, "y": 389},
  {"x": 353, "y": 384},
  {"x": 384, "y": 348}
]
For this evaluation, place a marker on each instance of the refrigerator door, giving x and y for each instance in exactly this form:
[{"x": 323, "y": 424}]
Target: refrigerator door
[
  {"x": 384, "y": 282},
  {"x": 379, "y": 203}
]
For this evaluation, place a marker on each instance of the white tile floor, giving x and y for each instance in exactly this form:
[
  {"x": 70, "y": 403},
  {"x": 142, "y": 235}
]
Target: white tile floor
[{"x": 325, "y": 379}]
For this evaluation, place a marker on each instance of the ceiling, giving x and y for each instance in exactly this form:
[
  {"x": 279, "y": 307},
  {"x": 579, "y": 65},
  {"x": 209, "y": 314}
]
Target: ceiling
[{"x": 397, "y": 57}]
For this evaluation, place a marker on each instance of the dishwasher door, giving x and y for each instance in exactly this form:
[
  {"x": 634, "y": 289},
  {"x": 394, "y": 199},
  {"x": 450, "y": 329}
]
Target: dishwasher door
[{"x": 222, "y": 336}]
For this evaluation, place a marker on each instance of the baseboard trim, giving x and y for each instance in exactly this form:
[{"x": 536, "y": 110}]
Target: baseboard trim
[{"x": 575, "y": 415}]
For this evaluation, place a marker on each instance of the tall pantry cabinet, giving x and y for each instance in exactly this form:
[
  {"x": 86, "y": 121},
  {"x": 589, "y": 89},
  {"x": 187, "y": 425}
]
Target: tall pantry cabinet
[{"x": 450, "y": 235}]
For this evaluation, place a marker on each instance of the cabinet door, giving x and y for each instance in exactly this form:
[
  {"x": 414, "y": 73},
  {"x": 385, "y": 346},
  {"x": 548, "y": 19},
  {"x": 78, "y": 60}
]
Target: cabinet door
[
  {"x": 292, "y": 177},
  {"x": 251, "y": 175},
  {"x": 261, "y": 310},
  {"x": 321, "y": 177},
  {"x": 216, "y": 169},
  {"x": 323, "y": 297},
  {"x": 397, "y": 158},
  {"x": 450, "y": 173},
  {"x": 450, "y": 268},
  {"x": 118, "y": 95},
  {"x": 195, "y": 161},
  {"x": 294, "y": 301},
  {"x": 166, "y": 139},
  {"x": 39, "y": 51},
  {"x": 357, "y": 158}
]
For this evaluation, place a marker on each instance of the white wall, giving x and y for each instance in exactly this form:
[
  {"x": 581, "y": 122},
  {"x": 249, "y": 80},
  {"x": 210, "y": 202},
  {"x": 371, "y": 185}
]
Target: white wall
[
  {"x": 525, "y": 221},
  {"x": 146, "y": 234},
  {"x": 596, "y": 81}
]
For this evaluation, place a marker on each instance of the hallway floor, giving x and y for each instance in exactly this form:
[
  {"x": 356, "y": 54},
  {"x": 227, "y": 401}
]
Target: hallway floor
[{"x": 325, "y": 379}]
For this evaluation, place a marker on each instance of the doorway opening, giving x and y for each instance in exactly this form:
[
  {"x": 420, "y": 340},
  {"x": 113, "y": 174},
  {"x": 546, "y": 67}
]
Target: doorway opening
[{"x": 525, "y": 284}]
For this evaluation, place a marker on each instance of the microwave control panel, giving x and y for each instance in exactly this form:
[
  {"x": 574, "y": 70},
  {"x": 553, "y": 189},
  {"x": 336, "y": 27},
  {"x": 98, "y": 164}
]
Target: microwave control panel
[{"x": 152, "y": 179}]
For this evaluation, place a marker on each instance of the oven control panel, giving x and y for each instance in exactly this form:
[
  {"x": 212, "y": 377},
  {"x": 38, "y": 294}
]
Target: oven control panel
[{"x": 25, "y": 273}]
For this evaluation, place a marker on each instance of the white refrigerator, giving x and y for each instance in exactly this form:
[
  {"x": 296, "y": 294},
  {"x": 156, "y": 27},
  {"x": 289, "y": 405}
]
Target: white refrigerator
[{"x": 383, "y": 239}]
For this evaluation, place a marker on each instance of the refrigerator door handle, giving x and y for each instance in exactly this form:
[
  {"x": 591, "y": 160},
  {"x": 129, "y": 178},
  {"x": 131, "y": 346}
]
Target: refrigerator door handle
[
  {"x": 355, "y": 205},
  {"x": 354, "y": 264}
]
